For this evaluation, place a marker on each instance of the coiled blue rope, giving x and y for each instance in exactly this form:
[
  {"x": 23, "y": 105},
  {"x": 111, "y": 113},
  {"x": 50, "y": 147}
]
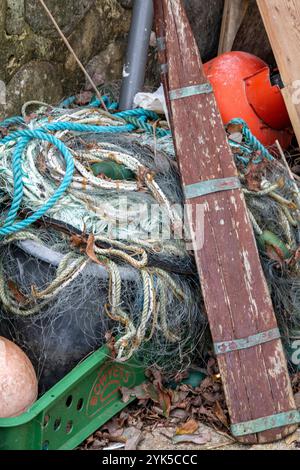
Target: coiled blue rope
[
  {"x": 15, "y": 120},
  {"x": 9, "y": 225},
  {"x": 68, "y": 126},
  {"x": 136, "y": 117},
  {"x": 138, "y": 112},
  {"x": 24, "y": 136}
]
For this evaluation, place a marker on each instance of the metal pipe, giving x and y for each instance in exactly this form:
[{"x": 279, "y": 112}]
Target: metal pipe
[
  {"x": 42, "y": 253},
  {"x": 137, "y": 52}
]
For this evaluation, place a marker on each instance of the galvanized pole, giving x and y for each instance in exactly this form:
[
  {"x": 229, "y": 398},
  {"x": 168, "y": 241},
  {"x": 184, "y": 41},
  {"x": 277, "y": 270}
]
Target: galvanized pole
[{"x": 137, "y": 51}]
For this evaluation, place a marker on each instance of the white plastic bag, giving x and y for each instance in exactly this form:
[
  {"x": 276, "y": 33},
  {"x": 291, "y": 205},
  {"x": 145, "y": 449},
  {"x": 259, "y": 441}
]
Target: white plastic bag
[{"x": 152, "y": 101}]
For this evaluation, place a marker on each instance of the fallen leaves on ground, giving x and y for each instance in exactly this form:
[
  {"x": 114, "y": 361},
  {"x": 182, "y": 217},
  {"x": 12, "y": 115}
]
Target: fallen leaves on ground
[
  {"x": 158, "y": 407},
  {"x": 133, "y": 437},
  {"x": 154, "y": 391},
  {"x": 190, "y": 427},
  {"x": 181, "y": 410}
]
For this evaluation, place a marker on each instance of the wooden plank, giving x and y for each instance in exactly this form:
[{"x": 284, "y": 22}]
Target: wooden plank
[
  {"x": 236, "y": 296},
  {"x": 252, "y": 37},
  {"x": 233, "y": 15},
  {"x": 282, "y": 22}
]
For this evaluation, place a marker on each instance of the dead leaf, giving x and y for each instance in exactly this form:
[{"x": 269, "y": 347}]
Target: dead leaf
[
  {"x": 90, "y": 249},
  {"x": 165, "y": 401},
  {"x": 152, "y": 392},
  {"x": 158, "y": 393},
  {"x": 20, "y": 298},
  {"x": 97, "y": 444},
  {"x": 190, "y": 427},
  {"x": 220, "y": 414},
  {"x": 77, "y": 240},
  {"x": 275, "y": 254},
  {"x": 199, "y": 439},
  {"x": 89, "y": 440},
  {"x": 113, "y": 427},
  {"x": 141, "y": 392},
  {"x": 291, "y": 439},
  {"x": 127, "y": 393},
  {"x": 179, "y": 396}
]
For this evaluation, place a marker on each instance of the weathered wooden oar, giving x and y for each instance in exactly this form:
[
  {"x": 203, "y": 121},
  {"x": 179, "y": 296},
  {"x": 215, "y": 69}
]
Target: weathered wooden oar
[{"x": 241, "y": 317}]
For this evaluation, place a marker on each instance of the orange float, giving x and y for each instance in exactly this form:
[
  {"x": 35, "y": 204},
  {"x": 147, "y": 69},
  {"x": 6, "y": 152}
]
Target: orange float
[{"x": 243, "y": 89}]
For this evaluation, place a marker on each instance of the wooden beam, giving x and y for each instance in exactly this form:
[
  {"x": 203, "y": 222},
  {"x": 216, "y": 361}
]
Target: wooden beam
[
  {"x": 252, "y": 36},
  {"x": 237, "y": 300},
  {"x": 282, "y": 22},
  {"x": 233, "y": 15}
]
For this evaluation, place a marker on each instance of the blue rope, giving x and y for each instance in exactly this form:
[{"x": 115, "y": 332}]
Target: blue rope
[
  {"x": 138, "y": 112},
  {"x": 16, "y": 120},
  {"x": 42, "y": 133},
  {"x": 251, "y": 140},
  {"x": 67, "y": 102},
  {"x": 9, "y": 225},
  {"x": 24, "y": 136},
  {"x": 94, "y": 103},
  {"x": 68, "y": 126}
]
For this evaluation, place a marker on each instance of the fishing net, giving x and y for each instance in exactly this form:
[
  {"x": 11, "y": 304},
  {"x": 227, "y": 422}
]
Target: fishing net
[
  {"x": 273, "y": 199},
  {"x": 109, "y": 262}
]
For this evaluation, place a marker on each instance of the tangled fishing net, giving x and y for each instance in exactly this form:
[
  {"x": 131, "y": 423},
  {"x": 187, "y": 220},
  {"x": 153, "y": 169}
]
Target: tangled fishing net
[
  {"x": 273, "y": 199},
  {"x": 108, "y": 260}
]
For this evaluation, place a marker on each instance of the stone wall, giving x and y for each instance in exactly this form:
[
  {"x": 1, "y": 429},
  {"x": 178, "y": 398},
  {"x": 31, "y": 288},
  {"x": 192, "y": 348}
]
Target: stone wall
[{"x": 35, "y": 64}]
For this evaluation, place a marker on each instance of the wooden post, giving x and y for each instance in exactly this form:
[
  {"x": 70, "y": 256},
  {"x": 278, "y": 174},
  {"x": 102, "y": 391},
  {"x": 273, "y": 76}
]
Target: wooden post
[
  {"x": 233, "y": 15},
  {"x": 252, "y": 365},
  {"x": 282, "y": 22}
]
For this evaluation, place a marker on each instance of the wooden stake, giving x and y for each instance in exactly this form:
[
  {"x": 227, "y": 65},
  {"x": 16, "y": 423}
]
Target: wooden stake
[
  {"x": 282, "y": 22},
  {"x": 233, "y": 15}
]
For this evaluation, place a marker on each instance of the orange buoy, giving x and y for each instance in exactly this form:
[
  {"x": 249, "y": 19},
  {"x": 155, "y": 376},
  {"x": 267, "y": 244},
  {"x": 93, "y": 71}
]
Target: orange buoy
[
  {"x": 18, "y": 382},
  {"x": 243, "y": 89}
]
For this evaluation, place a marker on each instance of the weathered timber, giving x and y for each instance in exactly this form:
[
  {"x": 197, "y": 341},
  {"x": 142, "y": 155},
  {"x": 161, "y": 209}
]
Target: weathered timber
[
  {"x": 233, "y": 15},
  {"x": 252, "y": 37},
  {"x": 282, "y": 22},
  {"x": 238, "y": 304}
]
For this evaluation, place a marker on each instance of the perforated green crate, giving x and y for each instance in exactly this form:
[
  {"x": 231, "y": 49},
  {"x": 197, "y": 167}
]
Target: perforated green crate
[{"x": 75, "y": 407}]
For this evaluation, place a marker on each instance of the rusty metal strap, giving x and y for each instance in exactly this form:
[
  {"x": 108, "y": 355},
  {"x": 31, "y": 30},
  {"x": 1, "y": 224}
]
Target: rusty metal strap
[
  {"x": 264, "y": 424},
  {"x": 245, "y": 343},
  {"x": 202, "y": 89},
  {"x": 211, "y": 186}
]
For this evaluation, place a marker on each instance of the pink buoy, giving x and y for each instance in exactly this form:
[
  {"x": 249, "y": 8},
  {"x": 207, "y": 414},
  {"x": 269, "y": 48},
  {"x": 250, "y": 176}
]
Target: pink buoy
[{"x": 18, "y": 381}]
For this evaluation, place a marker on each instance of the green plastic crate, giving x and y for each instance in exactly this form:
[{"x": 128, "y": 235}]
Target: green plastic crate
[{"x": 75, "y": 407}]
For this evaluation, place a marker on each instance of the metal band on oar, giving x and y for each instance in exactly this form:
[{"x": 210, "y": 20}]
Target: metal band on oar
[
  {"x": 185, "y": 92},
  {"x": 203, "y": 188}
]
